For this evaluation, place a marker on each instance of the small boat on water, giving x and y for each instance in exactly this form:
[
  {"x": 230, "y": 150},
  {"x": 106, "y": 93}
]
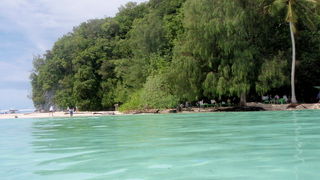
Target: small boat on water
[
  {"x": 13, "y": 111},
  {"x": 10, "y": 111}
]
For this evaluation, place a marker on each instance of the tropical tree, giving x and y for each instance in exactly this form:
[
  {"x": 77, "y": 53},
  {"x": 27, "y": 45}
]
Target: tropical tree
[
  {"x": 219, "y": 55},
  {"x": 160, "y": 53},
  {"x": 296, "y": 11}
]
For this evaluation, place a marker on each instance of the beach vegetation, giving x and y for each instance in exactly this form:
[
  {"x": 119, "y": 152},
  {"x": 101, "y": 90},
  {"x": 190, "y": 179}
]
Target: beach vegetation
[{"x": 160, "y": 54}]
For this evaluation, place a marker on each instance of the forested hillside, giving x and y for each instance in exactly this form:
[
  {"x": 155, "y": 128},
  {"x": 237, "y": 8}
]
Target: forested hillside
[{"x": 166, "y": 52}]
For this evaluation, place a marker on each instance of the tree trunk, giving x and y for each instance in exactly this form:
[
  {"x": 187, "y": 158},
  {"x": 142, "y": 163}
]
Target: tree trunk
[
  {"x": 293, "y": 68},
  {"x": 243, "y": 99}
]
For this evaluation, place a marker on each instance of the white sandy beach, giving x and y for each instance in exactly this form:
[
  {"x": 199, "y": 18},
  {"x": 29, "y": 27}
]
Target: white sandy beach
[
  {"x": 268, "y": 107},
  {"x": 58, "y": 114}
]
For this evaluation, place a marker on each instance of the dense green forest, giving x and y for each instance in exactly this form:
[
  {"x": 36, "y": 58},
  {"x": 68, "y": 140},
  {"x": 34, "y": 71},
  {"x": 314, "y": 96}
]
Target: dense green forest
[{"x": 162, "y": 53}]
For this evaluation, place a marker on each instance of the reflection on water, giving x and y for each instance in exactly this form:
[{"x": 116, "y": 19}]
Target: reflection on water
[
  {"x": 258, "y": 145},
  {"x": 298, "y": 145}
]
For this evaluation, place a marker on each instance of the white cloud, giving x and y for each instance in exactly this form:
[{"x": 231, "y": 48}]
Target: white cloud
[
  {"x": 14, "y": 71},
  {"x": 15, "y": 99},
  {"x": 43, "y": 21}
]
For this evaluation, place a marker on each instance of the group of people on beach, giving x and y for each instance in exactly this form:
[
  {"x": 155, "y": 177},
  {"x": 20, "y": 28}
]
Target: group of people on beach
[
  {"x": 284, "y": 100},
  {"x": 276, "y": 99},
  {"x": 209, "y": 103},
  {"x": 70, "y": 110}
]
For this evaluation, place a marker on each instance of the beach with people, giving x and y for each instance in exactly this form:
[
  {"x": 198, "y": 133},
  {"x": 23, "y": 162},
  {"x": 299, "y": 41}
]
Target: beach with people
[
  {"x": 59, "y": 114},
  {"x": 205, "y": 108}
]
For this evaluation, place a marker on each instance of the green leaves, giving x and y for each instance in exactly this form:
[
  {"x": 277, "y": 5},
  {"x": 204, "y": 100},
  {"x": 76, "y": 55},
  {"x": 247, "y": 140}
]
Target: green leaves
[
  {"x": 302, "y": 11},
  {"x": 162, "y": 53},
  {"x": 272, "y": 74}
]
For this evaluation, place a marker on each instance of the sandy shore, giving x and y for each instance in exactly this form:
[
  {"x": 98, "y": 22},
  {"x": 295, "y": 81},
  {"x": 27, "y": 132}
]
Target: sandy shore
[
  {"x": 58, "y": 114},
  {"x": 250, "y": 107}
]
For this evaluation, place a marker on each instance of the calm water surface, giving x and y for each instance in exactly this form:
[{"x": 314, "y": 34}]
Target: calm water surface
[{"x": 255, "y": 145}]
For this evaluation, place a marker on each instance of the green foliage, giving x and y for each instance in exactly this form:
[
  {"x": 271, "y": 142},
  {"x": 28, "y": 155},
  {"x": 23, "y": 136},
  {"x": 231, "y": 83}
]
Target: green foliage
[
  {"x": 219, "y": 37},
  {"x": 272, "y": 74},
  {"x": 147, "y": 35},
  {"x": 134, "y": 102},
  {"x": 128, "y": 14},
  {"x": 154, "y": 95},
  {"x": 302, "y": 12},
  {"x": 185, "y": 77},
  {"x": 165, "y": 52}
]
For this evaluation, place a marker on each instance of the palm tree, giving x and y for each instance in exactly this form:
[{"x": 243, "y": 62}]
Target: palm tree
[{"x": 295, "y": 10}]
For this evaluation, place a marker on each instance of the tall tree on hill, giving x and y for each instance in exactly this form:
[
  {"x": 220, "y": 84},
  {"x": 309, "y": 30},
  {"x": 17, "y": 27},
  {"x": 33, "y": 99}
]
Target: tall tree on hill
[{"x": 303, "y": 10}]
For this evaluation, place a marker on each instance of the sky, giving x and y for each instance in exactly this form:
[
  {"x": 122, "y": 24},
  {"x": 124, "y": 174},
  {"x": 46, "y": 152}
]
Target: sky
[{"x": 29, "y": 28}]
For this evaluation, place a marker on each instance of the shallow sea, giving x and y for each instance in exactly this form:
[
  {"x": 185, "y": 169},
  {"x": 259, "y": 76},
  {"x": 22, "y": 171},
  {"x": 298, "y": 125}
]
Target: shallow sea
[{"x": 247, "y": 145}]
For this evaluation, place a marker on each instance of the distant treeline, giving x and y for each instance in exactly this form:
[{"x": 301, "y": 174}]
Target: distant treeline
[{"x": 162, "y": 53}]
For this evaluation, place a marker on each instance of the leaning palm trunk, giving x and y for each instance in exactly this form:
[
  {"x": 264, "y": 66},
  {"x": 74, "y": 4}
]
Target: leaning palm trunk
[{"x": 293, "y": 93}]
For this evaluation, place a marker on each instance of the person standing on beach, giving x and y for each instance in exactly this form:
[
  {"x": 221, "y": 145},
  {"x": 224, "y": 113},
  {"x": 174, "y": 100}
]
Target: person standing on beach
[
  {"x": 71, "y": 112},
  {"x": 51, "y": 110},
  {"x": 318, "y": 97}
]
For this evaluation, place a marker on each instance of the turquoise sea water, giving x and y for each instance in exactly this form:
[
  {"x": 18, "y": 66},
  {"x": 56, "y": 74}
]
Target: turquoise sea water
[{"x": 248, "y": 145}]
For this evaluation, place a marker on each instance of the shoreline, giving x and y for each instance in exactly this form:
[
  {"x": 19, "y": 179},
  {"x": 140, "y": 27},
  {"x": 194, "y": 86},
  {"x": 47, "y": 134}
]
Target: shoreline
[
  {"x": 250, "y": 107},
  {"x": 59, "y": 114}
]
